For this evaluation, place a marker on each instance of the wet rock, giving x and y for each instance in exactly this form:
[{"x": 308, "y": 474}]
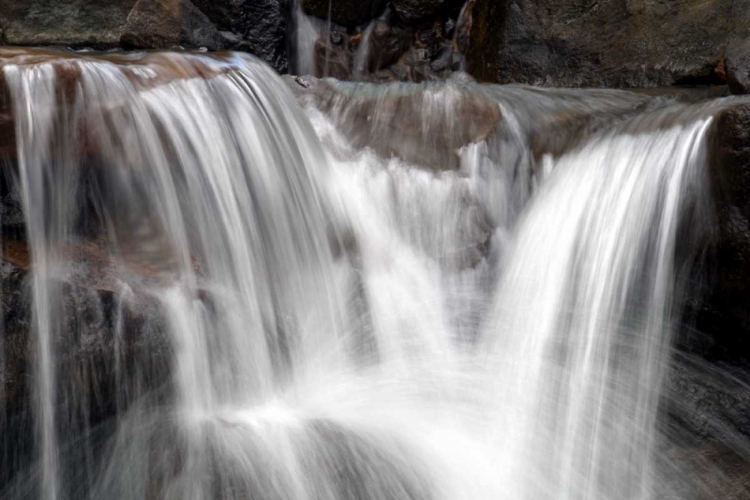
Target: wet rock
[
  {"x": 738, "y": 67},
  {"x": 93, "y": 23},
  {"x": 111, "y": 349},
  {"x": 387, "y": 44},
  {"x": 390, "y": 120},
  {"x": 261, "y": 26},
  {"x": 720, "y": 291},
  {"x": 603, "y": 43},
  {"x": 708, "y": 401},
  {"x": 333, "y": 60},
  {"x": 161, "y": 24},
  {"x": 443, "y": 60},
  {"x": 345, "y": 12},
  {"x": 415, "y": 10}
]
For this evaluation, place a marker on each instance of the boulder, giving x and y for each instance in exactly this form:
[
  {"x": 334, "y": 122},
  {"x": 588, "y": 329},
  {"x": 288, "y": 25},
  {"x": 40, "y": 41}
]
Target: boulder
[
  {"x": 390, "y": 119},
  {"x": 738, "y": 67},
  {"x": 162, "y": 24},
  {"x": 605, "y": 43},
  {"x": 345, "y": 12},
  {"x": 92, "y": 23},
  {"x": 260, "y": 25}
]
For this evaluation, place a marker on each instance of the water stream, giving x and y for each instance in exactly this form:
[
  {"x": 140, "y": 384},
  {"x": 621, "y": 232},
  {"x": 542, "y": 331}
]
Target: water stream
[{"x": 395, "y": 292}]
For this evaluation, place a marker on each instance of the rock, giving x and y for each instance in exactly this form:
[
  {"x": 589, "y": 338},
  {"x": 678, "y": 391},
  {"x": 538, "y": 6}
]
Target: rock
[
  {"x": 605, "y": 43},
  {"x": 345, "y": 12},
  {"x": 333, "y": 60},
  {"x": 162, "y": 24},
  {"x": 416, "y": 10},
  {"x": 230, "y": 40},
  {"x": 390, "y": 119},
  {"x": 708, "y": 401},
  {"x": 738, "y": 67},
  {"x": 260, "y": 24},
  {"x": 93, "y": 23},
  {"x": 114, "y": 351},
  {"x": 717, "y": 312},
  {"x": 387, "y": 44}
]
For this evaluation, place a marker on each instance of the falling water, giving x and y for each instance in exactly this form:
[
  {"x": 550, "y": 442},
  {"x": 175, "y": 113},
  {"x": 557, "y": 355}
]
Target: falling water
[{"x": 397, "y": 292}]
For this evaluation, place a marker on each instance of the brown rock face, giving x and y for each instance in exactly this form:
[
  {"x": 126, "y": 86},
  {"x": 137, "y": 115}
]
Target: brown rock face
[
  {"x": 161, "y": 24},
  {"x": 606, "y": 43}
]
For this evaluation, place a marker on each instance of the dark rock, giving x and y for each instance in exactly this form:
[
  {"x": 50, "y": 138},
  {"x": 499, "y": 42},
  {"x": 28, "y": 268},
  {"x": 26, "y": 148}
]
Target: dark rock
[
  {"x": 708, "y": 402},
  {"x": 719, "y": 294},
  {"x": 443, "y": 60},
  {"x": 415, "y": 10},
  {"x": 111, "y": 349},
  {"x": 450, "y": 28},
  {"x": 738, "y": 67},
  {"x": 161, "y": 24},
  {"x": 260, "y": 24},
  {"x": 345, "y": 12},
  {"x": 387, "y": 44},
  {"x": 93, "y": 23},
  {"x": 229, "y": 40},
  {"x": 606, "y": 43}
]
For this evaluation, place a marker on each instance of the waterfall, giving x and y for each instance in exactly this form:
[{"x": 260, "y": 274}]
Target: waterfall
[{"x": 236, "y": 297}]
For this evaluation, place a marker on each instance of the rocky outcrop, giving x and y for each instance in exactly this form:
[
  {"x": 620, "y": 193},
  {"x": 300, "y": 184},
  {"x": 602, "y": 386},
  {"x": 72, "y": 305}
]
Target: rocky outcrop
[
  {"x": 91, "y": 23},
  {"x": 738, "y": 67},
  {"x": 255, "y": 26},
  {"x": 345, "y": 12},
  {"x": 164, "y": 24},
  {"x": 605, "y": 43}
]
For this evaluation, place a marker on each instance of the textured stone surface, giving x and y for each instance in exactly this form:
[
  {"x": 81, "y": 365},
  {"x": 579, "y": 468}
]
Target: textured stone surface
[
  {"x": 738, "y": 67},
  {"x": 415, "y": 10},
  {"x": 64, "y": 22},
  {"x": 345, "y": 12},
  {"x": 260, "y": 25},
  {"x": 162, "y": 24},
  {"x": 608, "y": 43}
]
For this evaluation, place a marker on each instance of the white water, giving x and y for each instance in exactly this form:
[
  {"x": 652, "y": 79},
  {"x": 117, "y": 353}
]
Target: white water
[{"x": 344, "y": 325}]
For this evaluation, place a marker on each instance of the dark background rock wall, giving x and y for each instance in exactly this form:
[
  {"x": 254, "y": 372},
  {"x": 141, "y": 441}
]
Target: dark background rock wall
[
  {"x": 605, "y": 43},
  {"x": 561, "y": 43}
]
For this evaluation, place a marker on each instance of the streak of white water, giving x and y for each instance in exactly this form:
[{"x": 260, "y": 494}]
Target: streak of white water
[{"x": 348, "y": 326}]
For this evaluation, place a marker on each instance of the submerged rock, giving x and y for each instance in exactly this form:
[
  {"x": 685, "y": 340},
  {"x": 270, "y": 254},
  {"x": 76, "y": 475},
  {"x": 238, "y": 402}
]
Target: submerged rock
[{"x": 161, "y": 24}]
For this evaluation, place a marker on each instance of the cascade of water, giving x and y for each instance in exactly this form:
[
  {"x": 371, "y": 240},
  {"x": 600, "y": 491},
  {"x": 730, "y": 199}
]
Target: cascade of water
[{"x": 340, "y": 321}]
